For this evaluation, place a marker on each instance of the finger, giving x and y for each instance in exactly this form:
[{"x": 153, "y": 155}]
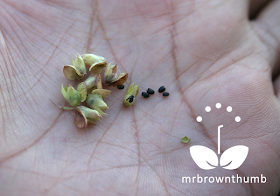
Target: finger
[
  {"x": 277, "y": 87},
  {"x": 256, "y": 6},
  {"x": 268, "y": 28}
]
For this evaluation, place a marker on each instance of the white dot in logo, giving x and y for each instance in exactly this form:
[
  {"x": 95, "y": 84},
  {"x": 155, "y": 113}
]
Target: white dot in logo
[
  {"x": 218, "y": 105},
  {"x": 237, "y": 119},
  {"x": 208, "y": 109},
  {"x": 199, "y": 119},
  {"x": 229, "y": 108}
]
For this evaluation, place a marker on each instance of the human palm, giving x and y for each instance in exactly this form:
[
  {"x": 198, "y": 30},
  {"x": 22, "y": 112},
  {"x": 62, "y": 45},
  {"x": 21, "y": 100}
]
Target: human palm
[{"x": 203, "y": 52}]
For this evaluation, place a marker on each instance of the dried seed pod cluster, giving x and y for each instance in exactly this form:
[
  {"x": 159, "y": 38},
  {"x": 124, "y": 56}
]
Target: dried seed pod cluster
[{"x": 90, "y": 90}]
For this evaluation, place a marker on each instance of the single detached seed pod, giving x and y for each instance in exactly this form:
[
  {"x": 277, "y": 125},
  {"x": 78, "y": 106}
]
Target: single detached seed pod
[
  {"x": 131, "y": 94},
  {"x": 150, "y": 91},
  {"x": 145, "y": 95},
  {"x": 120, "y": 86},
  {"x": 161, "y": 89},
  {"x": 185, "y": 140},
  {"x": 165, "y": 94}
]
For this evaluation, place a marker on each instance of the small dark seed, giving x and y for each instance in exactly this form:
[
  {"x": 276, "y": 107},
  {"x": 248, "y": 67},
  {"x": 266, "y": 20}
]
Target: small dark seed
[
  {"x": 145, "y": 95},
  {"x": 150, "y": 91},
  {"x": 120, "y": 86},
  {"x": 161, "y": 89},
  {"x": 165, "y": 94}
]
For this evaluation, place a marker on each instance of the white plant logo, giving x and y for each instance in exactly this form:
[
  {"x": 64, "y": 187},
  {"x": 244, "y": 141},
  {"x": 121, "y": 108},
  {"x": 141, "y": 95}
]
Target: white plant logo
[{"x": 232, "y": 158}]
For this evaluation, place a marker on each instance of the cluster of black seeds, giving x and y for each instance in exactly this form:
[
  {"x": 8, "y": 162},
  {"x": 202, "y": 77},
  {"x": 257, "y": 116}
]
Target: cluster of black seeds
[
  {"x": 162, "y": 89},
  {"x": 151, "y": 92}
]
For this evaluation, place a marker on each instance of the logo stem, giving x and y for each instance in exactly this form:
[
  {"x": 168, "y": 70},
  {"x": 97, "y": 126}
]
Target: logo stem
[{"x": 219, "y": 139}]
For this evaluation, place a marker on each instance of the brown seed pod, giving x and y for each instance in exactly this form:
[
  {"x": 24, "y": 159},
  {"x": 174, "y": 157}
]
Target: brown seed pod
[
  {"x": 111, "y": 76},
  {"x": 120, "y": 79}
]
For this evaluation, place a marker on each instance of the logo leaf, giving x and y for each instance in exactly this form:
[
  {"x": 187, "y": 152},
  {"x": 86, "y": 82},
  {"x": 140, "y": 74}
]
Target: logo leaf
[
  {"x": 203, "y": 157},
  {"x": 234, "y": 157}
]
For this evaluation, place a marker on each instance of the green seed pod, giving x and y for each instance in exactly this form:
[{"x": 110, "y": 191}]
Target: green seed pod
[
  {"x": 185, "y": 140},
  {"x": 95, "y": 62},
  {"x": 82, "y": 89},
  {"x": 72, "y": 96},
  {"x": 85, "y": 115},
  {"x": 75, "y": 71},
  {"x": 96, "y": 102},
  {"x": 131, "y": 94}
]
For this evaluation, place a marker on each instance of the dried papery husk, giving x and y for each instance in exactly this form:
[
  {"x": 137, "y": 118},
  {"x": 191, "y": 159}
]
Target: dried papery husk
[
  {"x": 80, "y": 65},
  {"x": 110, "y": 74},
  {"x": 131, "y": 91},
  {"x": 93, "y": 82},
  {"x": 99, "y": 82},
  {"x": 80, "y": 120},
  {"x": 90, "y": 59},
  {"x": 72, "y": 73},
  {"x": 85, "y": 115},
  {"x": 97, "y": 67},
  {"x": 95, "y": 62},
  {"x": 112, "y": 78},
  {"x": 102, "y": 92},
  {"x": 120, "y": 79},
  {"x": 75, "y": 71}
]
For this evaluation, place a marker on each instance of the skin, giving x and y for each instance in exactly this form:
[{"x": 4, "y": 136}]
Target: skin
[{"x": 203, "y": 52}]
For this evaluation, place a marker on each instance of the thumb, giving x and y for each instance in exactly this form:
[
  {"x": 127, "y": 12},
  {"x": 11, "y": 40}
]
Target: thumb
[{"x": 268, "y": 28}]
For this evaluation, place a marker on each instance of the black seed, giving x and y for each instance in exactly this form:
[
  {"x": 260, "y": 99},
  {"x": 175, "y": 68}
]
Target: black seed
[
  {"x": 161, "y": 89},
  {"x": 120, "y": 86},
  {"x": 165, "y": 94},
  {"x": 150, "y": 91},
  {"x": 145, "y": 95},
  {"x": 131, "y": 98}
]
